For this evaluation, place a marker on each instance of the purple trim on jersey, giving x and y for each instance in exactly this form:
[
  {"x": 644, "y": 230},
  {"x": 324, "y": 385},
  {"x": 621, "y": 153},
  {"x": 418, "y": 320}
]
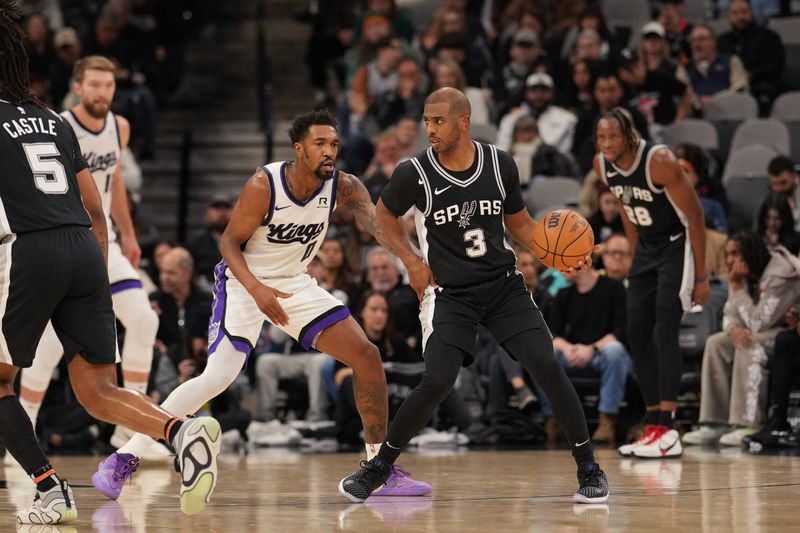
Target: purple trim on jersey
[
  {"x": 289, "y": 193},
  {"x": 217, "y": 320},
  {"x": 333, "y": 194},
  {"x": 321, "y": 323},
  {"x": 125, "y": 285},
  {"x": 271, "y": 197},
  {"x": 89, "y": 130}
]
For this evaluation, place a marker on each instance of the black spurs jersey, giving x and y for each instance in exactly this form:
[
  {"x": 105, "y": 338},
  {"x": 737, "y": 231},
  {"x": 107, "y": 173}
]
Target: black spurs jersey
[
  {"x": 39, "y": 157},
  {"x": 647, "y": 205},
  {"x": 459, "y": 215}
]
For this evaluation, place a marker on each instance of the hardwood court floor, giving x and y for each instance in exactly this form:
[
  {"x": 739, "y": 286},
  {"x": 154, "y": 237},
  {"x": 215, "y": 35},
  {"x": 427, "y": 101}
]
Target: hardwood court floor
[{"x": 508, "y": 491}]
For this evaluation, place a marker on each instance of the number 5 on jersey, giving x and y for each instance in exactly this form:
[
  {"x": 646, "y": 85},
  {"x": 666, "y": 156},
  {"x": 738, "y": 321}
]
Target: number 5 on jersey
[{"x": 48, "y": 173}]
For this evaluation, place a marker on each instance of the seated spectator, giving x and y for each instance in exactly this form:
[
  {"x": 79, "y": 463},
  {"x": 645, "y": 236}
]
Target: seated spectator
[
  {"x": 516, "y": 16},
  {"x": 608, "y": 93},
  {"x": 449, "y": 74},
  {"x": 336, "y": 275},
  {"x": 401, "y": 25},
  {"x": 670, "y": 16},
  {"x": 371, "y": 80},
  {"x": 534, "y": 157},
  {"x": 524, "y": 54},
  {"x": 40, "y": 55},
  {"x": 783, "y": 180},
  {"x": 205, "y": 247},
  {"x": 404, "y": 367},
  {"x": 383, "y": 275},
  {"x": 183, "y": 309},
  {"x": 711, "y": 72},
  {"x": 474, "y": 61},
  {"x": 694, "y": 162},
  {"x": 775, "y": 225},
  {"x": 68, "y": 50},
  {"x": 579, "y": 96},
  {"x": 292, "y": 362},
  {"x": 406, "y": 99},
  {"x": 588, "y": 323},
  {"x": 387, "y": 157},
  {"x": 716, "y": 265},
  {"x": 375, "y": 28},
  {"x": 655, "y": 51},
  {"x": 784, "y": 371},
  {"x": 617, "y": 258},
  {"x": 760, "y": 50},
  {"x": 606, "y": 221},
  {"x": 653, "y": 92},
  {"x": 407, "y": 132},
  {"x": 763, "y": 286},
  {"x": 556, "y": 124},
  {"x": 49, "y": 9},
  {"x": 452, "y": 17}
]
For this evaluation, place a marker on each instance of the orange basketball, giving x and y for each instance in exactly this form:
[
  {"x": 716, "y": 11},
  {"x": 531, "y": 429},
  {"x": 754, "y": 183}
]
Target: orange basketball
[{"x": 562, "y": 238}]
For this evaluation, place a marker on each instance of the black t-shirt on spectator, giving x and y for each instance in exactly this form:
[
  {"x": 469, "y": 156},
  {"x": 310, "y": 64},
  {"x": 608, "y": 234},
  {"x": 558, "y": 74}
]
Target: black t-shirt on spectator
[
  {"x": 205, "y": 253},
  {"x": 656, "y": 98},
  {"x": 196, "y": 313},
  {"x": 587, "y": 318}
]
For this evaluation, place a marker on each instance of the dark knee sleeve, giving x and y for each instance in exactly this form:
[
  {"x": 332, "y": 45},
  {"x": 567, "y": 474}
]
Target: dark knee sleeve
[
  {"x": 534, "y": 350},
  {"x": 442, "y": 364},
  {"x": 785, "y": 362},
  {"x": 670, "y": 363}
]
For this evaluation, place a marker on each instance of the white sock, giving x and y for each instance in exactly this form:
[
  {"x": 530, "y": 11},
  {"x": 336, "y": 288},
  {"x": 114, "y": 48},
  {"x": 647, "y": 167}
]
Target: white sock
[
  {"x": 222, "y": 368},
  {"x": 372, "y": 450}
]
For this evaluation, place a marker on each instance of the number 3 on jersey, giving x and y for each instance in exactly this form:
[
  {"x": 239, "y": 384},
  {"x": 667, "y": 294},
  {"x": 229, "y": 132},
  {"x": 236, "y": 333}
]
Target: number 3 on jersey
[
  {"x": 638, "y": 215},
  {"x": 48, "y": 173},
  {"x": 478, "y": 240}
]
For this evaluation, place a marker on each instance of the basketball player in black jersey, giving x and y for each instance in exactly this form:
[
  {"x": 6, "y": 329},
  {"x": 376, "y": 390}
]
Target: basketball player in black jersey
[
  {"x": 664, "y": 223},
  {"x": 466, "y": 194},
  {"x": 52, "y": 267}
]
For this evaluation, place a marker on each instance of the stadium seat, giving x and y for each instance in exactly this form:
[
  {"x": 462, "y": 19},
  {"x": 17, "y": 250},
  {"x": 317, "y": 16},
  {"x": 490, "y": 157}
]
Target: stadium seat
[
  {"x": 748, "y": 161},
  {"x": 787, "y": 109},
  {"x": 745, "y": 194},
  {"x": 551, "y": 192},
  {"x": 483, "y": 132},
  {"x": 731, "y": 106},
  {"x": 692, "y": 131},
  {"x": 628, "y": 15},
  {"x": 786, "y": 28},
  {"x": 764, "y": 131}
]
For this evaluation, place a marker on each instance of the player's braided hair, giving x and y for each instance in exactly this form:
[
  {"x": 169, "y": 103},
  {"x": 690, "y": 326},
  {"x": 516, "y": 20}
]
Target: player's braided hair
[
  {"x": 14, "y": 86},
  {"x": 623, "y": 118}
]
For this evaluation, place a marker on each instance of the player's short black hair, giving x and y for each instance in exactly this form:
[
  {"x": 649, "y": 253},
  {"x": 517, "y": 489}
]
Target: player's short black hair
[
  {"x": 625, "y": 122},
  {"x": 302, "y": 123},
  {"x": 14, "y": 85},
  {"x": 779, "y": 165},
  {"x": 754, "y": 252}
]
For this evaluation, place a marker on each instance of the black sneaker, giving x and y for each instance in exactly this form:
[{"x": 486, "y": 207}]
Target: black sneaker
[
  {"x": 359, "y": 485},
  {"x": 593, "y": 484},
  {"x": 768, "y": 436},
  {"x": 792, "y": 440}
]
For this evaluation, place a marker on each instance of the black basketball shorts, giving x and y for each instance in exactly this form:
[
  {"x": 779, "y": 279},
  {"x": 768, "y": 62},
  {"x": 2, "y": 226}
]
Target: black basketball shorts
[
  {"x": 662, "y": 275},
  {"x": 502, "y": 304},
  {"x": 59, "y": 275}
]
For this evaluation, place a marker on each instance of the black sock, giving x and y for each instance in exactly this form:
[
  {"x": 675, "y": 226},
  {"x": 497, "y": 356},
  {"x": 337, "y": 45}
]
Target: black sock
[
  {"x": 654, "y": 417},
  {"x": 16, "y": 433},
  {"x": 583, "y": 454},
  {"x": 171, "y": 429},
  {"x": 388, "y": 453},
  {"x": 47, "y": 478},
  {"x": 666, "y": 418}
]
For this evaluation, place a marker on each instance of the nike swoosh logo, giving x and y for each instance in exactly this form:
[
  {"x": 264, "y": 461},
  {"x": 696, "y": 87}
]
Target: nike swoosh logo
[
  {"x": 440, "y": 191},
  {"x": 668, "y": 448},
  {"x": 673, "y": 238},
  {"x": 419, "y": 182},
  {"x": 582, "y": 443},
  {"x": 279, "y": 208},
  {"x": 612, "y": 174}
]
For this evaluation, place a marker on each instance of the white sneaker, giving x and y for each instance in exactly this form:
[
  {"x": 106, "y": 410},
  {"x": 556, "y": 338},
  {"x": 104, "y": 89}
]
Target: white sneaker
[
  {"x": 231, "y": 441},
  {"x": 56, "y": 506},
  {"x": 648, "y": 435},
  {"x": 667, "y": 443},
  {"x": 734, "y": 438},
  {"x": 197, "y": 445},
  {"x": 705, "y": 435},
  {"x": 274, "y": 433}
]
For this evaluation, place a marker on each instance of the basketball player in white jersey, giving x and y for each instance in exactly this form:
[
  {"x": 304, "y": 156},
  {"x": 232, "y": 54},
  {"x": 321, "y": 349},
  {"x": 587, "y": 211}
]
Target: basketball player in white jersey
[
  {"x": 276, "y": 228},
  {"x": 103, "y": 136}
]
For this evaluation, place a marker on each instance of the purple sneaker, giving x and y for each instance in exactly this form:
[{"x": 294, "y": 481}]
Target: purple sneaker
[
  {"x": 113, "y": 472},
  {"x": 400, "y": 483}
]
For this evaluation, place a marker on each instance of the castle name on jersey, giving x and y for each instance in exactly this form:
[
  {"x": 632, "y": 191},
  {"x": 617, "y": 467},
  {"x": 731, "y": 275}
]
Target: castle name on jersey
[
  {"x": 291, "y": 232},
  {"x": 467, "y": 210},
  {"x": 100, "y": 162},
  {"x": 628, "y": 192},
  {"x": 29, "y": 125}
]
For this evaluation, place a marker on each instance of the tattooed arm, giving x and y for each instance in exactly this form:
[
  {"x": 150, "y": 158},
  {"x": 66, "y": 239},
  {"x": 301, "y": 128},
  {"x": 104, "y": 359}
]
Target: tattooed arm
[{"x": 389, "y": 232}]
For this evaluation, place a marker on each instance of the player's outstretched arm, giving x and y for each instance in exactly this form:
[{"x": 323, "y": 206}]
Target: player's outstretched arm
[
  {"x": 666, "y": 171},
  {"x": 94, "y": 206},
  {"x": 120, "y": 213},
  {"x": 247, "y": 216}
]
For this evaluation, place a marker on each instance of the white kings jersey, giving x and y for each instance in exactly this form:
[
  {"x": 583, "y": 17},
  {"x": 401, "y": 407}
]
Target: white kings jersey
[
  {"x": 102, "y": 151},
  {"x": 292, "y": 232}
]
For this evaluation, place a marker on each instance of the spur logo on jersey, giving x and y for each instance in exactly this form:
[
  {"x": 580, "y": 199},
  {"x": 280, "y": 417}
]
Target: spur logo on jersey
[
  {"x": 291, "y": 232},
  {"x": 626, "y": 193},
  {"x": 100, "y": 162},
  {"x": 464, "y": 212}
]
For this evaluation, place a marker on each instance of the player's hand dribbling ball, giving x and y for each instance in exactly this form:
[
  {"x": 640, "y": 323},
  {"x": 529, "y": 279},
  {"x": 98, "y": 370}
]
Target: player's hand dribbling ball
[{"x": 563, "y": 239}]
